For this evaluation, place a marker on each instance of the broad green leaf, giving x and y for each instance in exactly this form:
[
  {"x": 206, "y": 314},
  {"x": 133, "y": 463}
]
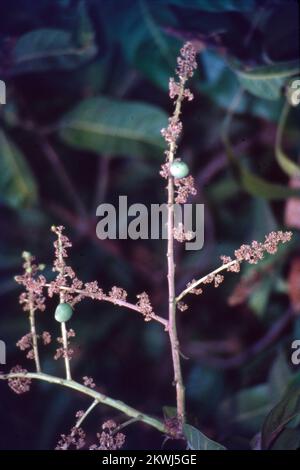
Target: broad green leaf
[
  {"x": 49, "y": 49},
  {"x": 115, "y": 127},
  {"x": 279, "y": 377},
  {"x": 146, "y": 46},
  {"x": 17, "y": 185},
  {"x": 257, "y": 186},
  {"x": 222, "y": 84},
  {"x": 287, "y": 165},
  {"x": 250, "y": 405},
  {"x": 280, "y": 416},
  {"x": 266, "y": 81},
  {"x": 198, "y": 441},
  {"x": 252, "y": 183},
  {"x": 289, "y": 439}
]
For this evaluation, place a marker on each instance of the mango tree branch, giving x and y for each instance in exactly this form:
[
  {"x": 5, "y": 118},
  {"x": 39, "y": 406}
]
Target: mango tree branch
[
  {"x": 196, "y": 283},
  {"x": 99, "y": 397},
  {"x": 119, "y": 302}
]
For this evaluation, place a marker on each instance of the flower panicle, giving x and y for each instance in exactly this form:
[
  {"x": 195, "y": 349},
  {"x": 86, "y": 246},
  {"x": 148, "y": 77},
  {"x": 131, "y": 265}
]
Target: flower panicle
[
  {"x": 186, "y": 64},
  {"x": 252, "y": 254},
  {"x": 32, "y": 299}
]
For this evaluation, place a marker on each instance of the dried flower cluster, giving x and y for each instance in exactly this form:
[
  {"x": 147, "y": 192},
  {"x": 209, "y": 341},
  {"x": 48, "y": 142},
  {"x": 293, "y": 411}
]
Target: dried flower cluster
[
  {"x": 255, "y": 252},
  {"x": 88, "y": 381},
  {"x": 63, "y": 352},
  {"x": 185, "y": 69},
  {"x": 181, "y": 235},
  {"x": 26, "y": 342},
  {"x": 109, "y": 439},
  {"x": 251, "y": 253},
  {"x": 186, "y": 64},
  {"x": 145, "y": 306},
  {"x": 32, "y": 299},
  {"x": 19, "y": 384},
  {"x": 183, "y": 188},
  {"x": 76, "y": 439}
]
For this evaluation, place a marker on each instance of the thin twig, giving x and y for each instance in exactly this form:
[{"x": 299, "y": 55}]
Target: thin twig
[
  {"x": 64, "y": 333},
  {"x": 124, "y": 425},
  {"x": 65, "y": 347},
  {"x": 119, "y": 302},
  {"x": 117, "y": 404},
  {"x": 86, "y": 413},
  {"x": 34, "y": 337},
  {"x": 203, "y": 279},
  {"x": 180, "y": 391}
]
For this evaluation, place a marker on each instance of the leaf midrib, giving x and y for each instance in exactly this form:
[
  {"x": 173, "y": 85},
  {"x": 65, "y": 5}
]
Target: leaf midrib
[{"x": 100, "y": 129}]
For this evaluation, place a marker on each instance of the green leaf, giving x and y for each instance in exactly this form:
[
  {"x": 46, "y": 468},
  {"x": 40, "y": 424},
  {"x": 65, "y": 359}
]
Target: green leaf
[
  {"x": 198, "y": 441},
  {"x": 115, "y": 127},
  {"x": 17, "y": 185},
  {"x": 145, "y": 46},
  {"x": 250, "y": 406},
  {"x": 289, "y": 439},
  {"x": 267, "y": 81},
  {"x": 288, "y": 166},
  {"x": 257, "y": 186},
  {"x": 252, "y": 183},
  {"x": 279, "y": 378},
  {"x": 49, "y": 49},
  {"x": 280, "y": 416}
]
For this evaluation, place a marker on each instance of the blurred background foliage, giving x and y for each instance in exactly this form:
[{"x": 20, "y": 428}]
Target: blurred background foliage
[{"x": 87, "y": 95}]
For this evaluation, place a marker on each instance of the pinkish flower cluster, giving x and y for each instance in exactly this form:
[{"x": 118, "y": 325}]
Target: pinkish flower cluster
[
  {"x": 186, "y": 64},
  {"x": 165, "y": 170},
  {"x": 19, "y": 384},
  {"x": 117, "y": 293},
  {"x": 234, "y": 267},
  {"x": 181, "y": 235},
  {"x": 64, "y": 272},
  {"x": 145, "y": 306},
  {"x": 26, "y": 343},
  {"x": 182, "y": 306},
  {"x": 32, "y": 299},
  {"x": 216, "y": 278},
  {"x": 109, "y": 439},
  {"x": 75, "y": 439},
  {"x": 61, "y": 245},
  {"x": 175, "y": 90},
  {"x": 184, "y": 187},
  {"x": 255, "y": 252},
  {"x": 250, "y": 253},
  {"x": 173, "y": 131},
  {"x": 65, "y": 352},
  {"x": 88, "y": 382},
  {"x": 79, "y": 414},
  {"x": 195, "y": 290}
]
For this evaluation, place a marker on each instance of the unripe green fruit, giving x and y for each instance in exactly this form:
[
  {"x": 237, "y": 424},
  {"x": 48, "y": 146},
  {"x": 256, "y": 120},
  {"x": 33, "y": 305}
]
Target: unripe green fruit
[
  {"x": 179, "y": 169},
  {"x": 63, "y": 312}
]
